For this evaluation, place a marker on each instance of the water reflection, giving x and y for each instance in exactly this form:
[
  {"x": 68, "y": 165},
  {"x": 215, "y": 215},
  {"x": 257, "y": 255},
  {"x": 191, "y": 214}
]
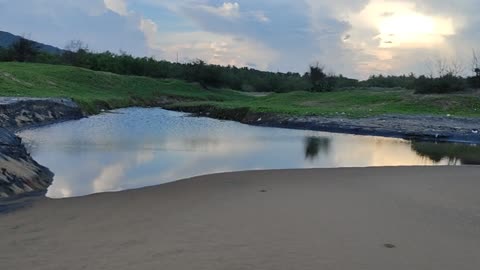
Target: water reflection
[
  {"x": 142, "y": 147},
  {"x": 452, "y": 152},
  {"x": 315, "y": 146}
]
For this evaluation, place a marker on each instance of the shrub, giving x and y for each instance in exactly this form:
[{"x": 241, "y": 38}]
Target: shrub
[
  {"x": 444, "y": 84},
  {"x": 321, "y": 82},
  {"x": 24, "y": 50}
]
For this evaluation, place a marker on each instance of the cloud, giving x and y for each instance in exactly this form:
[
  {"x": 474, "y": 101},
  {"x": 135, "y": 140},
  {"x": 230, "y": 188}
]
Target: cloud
[
  {"x": 400, "y": 36},
  {"x": 355, "y": 38},
  {"x": 117, "y": 6},
  {"x": 58, "y": 21},
  {"x": 150, "y": 30},
  {"x": 229, "y": 10},
  {"x": 214, "y": 48}
]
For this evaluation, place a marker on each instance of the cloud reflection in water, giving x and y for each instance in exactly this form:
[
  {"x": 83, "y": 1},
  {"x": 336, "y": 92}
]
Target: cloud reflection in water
[{"x": 143, "y": 147}]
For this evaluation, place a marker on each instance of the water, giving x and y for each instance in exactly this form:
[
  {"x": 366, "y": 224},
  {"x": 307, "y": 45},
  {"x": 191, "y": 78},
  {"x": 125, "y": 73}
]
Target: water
[{"x": 137, "y": 147}]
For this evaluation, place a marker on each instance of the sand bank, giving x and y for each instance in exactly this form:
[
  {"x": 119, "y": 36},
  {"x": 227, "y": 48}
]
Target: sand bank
[{"x": 375, "y": 218}]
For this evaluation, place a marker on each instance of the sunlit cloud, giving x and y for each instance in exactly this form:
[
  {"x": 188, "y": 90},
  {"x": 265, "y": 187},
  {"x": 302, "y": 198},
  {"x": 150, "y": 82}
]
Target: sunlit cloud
[
  {"x": 399, "y": 24},
  {"x": 229, "y": 10},
  {"x": 112, "y": 176},
  {"x": 398, "y": 36},
  {"x": 214, "y": 48},
  {"x": 117, "y": 6},
  {"x": 355, "y": 38}
]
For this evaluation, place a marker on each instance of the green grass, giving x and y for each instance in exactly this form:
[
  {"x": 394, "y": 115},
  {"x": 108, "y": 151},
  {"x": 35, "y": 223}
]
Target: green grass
[
  {"x": 90, "y": 88},
  {"x": 359, "y": 103}
]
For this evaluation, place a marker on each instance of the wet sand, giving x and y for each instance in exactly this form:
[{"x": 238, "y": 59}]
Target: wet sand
[{"x": 375, "y": 218}]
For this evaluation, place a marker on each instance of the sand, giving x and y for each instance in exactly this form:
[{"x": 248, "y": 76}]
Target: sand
[{"x": 382, "y": 218}]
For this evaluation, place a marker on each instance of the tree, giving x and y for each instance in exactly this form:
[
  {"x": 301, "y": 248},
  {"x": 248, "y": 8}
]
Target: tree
[
  {"x": 319, "y": 79},
  {"x": 24, "y": 50},
  {"x": 476, "y": 64},
  {"x": 442, "y": 67},
  {"x": 203, "y": 73},
  {"x": 5, "y": 55},
  {"x": 75, "y": 53},
  {"x": 76, "y": 45},
  {"x": 475, "y": 80}
]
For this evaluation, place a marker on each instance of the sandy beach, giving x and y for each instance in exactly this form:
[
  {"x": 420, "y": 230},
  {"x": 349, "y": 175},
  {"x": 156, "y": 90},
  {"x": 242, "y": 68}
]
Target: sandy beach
[{"x": 375, "y": 218}]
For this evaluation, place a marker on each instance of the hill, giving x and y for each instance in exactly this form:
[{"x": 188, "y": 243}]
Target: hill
[
  {"x": 95, "y": 90},
  {"x": 8, "y": 39}
]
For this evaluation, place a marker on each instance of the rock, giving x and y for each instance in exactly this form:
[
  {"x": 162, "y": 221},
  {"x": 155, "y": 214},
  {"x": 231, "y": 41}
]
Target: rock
[
  {"x": 388, "y": 245},
  {"x": 17, "y": 113},
  {"x": 19, "y": 173}
]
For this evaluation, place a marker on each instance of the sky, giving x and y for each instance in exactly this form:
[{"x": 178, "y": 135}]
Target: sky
[{"x": 355, "y": 38}]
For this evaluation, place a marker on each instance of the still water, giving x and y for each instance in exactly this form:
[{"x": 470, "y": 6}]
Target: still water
[{"x": 137, "y": 147}]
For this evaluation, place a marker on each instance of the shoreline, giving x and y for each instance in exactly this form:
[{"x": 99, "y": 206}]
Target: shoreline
[
  {"x": 349, "y": 218},
  {"x": 408, "y": 127},
  {"x": 20, "y": 173},
  {"x": 24, "y": 113}
]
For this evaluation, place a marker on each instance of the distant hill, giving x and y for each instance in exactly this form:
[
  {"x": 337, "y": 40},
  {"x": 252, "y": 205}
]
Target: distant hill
[{"x": 7, "y": 39}]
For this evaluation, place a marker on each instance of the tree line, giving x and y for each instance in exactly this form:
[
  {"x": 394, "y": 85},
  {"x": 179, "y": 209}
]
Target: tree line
[{"x": 445, "y": 79}]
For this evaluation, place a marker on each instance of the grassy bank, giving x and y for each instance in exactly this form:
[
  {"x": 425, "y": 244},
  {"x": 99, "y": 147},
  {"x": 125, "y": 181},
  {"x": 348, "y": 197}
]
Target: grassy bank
[{"x": 93, "y": 90}]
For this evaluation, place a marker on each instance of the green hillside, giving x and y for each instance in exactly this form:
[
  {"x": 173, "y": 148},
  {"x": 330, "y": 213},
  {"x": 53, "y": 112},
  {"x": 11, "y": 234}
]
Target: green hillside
[
  {"x": 90, "y": 88},
  {"x": 94, "y": 90}
]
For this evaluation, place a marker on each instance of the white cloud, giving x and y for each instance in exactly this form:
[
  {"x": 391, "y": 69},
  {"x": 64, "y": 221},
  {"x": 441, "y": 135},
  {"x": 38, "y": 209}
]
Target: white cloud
[
  {"x": 117, "y": 6},
  {"x": 150, "y": 30},
  {"x": 214, "y": 48},
  {"x": 228, "y": 10},
  {"x": 388, "y": 36},
  {"x": 400, "y": 24},
  {"x": 57, "y": 22}
]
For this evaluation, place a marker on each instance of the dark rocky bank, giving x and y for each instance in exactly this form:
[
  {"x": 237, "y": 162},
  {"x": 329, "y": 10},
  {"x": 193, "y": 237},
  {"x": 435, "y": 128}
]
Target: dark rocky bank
[
  {"x": 423, "y": 128},
  {"x": 19, "y": 173}
]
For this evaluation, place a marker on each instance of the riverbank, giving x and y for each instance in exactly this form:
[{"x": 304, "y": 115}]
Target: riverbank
[
  {"x": 21, "y": 174},
  {"x": 383, "y": 112},
  {"x": 375, "y": 218},
  {"x": 59, "y": 93},
  {"x": 410, "y": 127}
]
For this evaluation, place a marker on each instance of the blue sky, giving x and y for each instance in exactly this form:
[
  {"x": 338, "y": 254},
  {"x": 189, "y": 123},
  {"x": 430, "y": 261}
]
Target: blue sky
[{"x": 354, "y": 38}]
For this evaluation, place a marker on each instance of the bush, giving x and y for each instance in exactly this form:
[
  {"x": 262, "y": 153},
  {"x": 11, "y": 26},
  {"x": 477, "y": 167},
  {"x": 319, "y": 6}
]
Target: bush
[
  {"x": 24, "y": 50},
  {"x": 403, "y": 81},
  {"x": 474, "y": 82},
  {"x": 442, "y": 85},
  {"x": 320, "y": 81},
  {"x": 4, "y": 55}
]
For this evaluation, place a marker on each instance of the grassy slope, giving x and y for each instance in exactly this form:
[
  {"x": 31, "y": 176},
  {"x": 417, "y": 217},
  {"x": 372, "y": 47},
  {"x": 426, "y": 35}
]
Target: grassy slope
[
  {"x": 88, "y": 87},
  {"x": 360, "y": 103}
]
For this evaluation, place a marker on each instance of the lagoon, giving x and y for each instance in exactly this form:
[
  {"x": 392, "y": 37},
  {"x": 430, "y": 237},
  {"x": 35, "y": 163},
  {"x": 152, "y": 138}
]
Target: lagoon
[{"x": 137, "y": 147}]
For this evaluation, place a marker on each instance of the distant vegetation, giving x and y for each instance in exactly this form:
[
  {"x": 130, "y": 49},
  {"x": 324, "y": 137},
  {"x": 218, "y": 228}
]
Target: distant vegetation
[
  {"x": 97, "y": 90},
  {"x": 444, "y": 78}
]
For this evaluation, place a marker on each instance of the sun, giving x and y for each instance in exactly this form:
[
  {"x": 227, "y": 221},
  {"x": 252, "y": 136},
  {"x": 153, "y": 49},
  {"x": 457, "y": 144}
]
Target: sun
[
  {"x": 400, "y": 24},
  {"x": 408, "y": 25},
  {"x": 412, "y": 29}
]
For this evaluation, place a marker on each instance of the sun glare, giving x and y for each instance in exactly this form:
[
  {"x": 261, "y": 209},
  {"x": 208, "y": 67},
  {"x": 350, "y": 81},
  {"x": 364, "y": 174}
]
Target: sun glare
[
  {"x": 407, "y": 25},
  {"x": 412, "y": 30},
  {"x": 401, "y": 24}
]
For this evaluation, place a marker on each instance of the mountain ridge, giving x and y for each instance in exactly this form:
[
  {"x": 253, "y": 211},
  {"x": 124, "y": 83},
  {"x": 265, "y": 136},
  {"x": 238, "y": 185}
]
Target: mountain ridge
[{"x": 8, "y": 39}]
